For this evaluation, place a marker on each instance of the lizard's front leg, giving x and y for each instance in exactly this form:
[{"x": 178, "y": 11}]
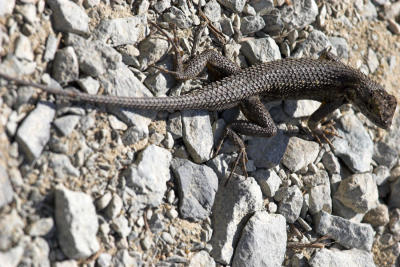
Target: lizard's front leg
[
  {"x": 314, "y": 120},
  {"x": 259, "y": 123}
]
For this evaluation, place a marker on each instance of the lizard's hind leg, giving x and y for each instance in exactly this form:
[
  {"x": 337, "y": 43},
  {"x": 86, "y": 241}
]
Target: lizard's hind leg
[
  {"x": 259, "y": 123},
  {"x": 196, "y": 65}
]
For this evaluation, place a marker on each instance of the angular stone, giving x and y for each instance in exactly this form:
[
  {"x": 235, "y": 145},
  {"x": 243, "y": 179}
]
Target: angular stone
[
  {"x": 346, "y": 233},
  {"x": 76, "y": 222},
  {"x": 358, "y": 192},
  {"x": 262, "y": 241},
  {"x": 267, "y": 152},
  {"x": 234, "y": 204},
  {"x": 34, "y": 132},
  {"x": 122, "y": 31},
  {"x": 65, "y": 66},
  {"x": 299, "y": 154},
  {"x": 149, "y": 179},
  {"x": 290, "y": 202},
  {"x": 197, "y": 187},
  {"x": 261, "y": 50},
  {"x": 69, "y": 17},
  {"x": 197, "y": 134},
  {"x": 234, "y": 5},
  {"x": 332, "y": 257},
  {"x": 355, "y": 146},
  {"x": 6, "y": 190}
]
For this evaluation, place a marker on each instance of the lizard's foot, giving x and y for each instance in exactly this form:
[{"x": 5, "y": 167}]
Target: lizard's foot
[
  {"x": 242, "y": 157},
  {"x": 238, "y": 142},
  {"x": 322, "y": 132}
]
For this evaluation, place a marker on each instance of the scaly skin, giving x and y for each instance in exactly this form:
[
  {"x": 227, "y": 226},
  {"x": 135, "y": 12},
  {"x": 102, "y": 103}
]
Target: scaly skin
[{"x": 321, "y": 80}]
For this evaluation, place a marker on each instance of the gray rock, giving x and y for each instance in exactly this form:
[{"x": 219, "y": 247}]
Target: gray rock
[
  {"x": 11, "y": 230},
  {"x": 300, "y": 108},
  {"x": 273, "y": 22},
  {"x": 34, "y": 132},
  {"x": 197, "y": 134},
  {"x": 65, "y": 66},
  {"x": 262, "y": 7},
  {"x": 23, "y": 48},
  {"x": 66, "y": 124},
  {"x": 213, "y": 11},
  {"x": 67, "y": 263},
  {"x": 149, "y": 179},
  {"x": 268, "y": 180},
  {"x": 337, "y": 258},
  {"x": 372, "y": 60},
  {"x": 61, "y": 165},
  {"x": 51, "y": 47},
  {"x": 267, "y": 152},
  {"x": 319, "y": 190},
  {"x": 177, "y": 17},
  {"x": 151, "y": 51},
  {"x": 251, "y": 24},
  {"x": 174, "y": 125},
  {"x": 392, "y": 137},
  {"x": 76, "y": 222},
  {"x": 381, "y": 175},
  {"x": 167, "y": 238},
  {"x": 197, "y": 187},
  {"x": 300, "y": 14},
  {"x": 355, "y": 147},
  {"x": 116, "y": 124},
  {"x": 341, "y": 47},
  {"x": 122, "y": 258},
  {"x": 331, "y": 163},
  {"x": 69, "y": 17},
  {"x": 358, "y": 192},
  {"x": 29, "y": 12},
  {"x": 234, "y": 204},
  {"x": 378, "y": 216},
  {"x": 38, "y": 251},
  {"x": 114, "y": 207},
  {"x": 299, "y": 154},
  {"x": 227, "y": 27},
  {"x": 262, "y": 241},
  {"x": 162, "y": 5},
  {"x": 346, "y": 233},
  {"x": 202, "y": 259},
  {"x": 104, "y": 260},
  {"x": 6, "y": 190},
  {"x": 135, "y": 134},
  {"x": 385, "y": 155},
  {"x": 235, "y": 5},
  {"x": 7, "y": 7},
  {"x": 12, "y": 257},
  {"x": 89, "y": 85},
  {"x": 95, "y": 57},
  {"x": 290, "y": 202},
  {"x": 315, "y": 43},
  {"x": 260, "y": 50},
  {"x": 41, "y": 227},
  {"x": 121, "y": 226},
  {"x": 122, "y": 31},
  {"x": 394, "y": 198},
  {"x": 159, "y": 83}
]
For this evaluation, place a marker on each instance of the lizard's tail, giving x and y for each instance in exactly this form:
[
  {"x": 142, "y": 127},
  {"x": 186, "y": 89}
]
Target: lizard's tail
[{"x": 153, "y": 103}]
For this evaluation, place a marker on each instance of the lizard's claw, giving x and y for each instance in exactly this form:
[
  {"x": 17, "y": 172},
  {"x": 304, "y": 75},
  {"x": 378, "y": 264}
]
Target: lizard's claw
[
  {"x": 244, "y": 159},
  {"x": 323, "y": 131}
]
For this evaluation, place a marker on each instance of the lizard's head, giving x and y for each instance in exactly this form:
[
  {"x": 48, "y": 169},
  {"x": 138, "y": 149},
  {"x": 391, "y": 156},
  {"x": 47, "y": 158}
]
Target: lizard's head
[{"x": 375, "y": 103}]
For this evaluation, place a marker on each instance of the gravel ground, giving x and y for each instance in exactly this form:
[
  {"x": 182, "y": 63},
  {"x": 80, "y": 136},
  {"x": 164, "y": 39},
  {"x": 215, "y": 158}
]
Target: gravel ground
[{"x": 86, "y": 185}]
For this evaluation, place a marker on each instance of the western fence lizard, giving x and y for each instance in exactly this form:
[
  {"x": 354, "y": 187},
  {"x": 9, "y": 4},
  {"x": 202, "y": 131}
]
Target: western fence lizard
[{"x": 326, "y": 80}]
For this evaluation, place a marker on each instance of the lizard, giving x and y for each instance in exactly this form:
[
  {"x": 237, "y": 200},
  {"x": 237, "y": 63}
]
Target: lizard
[{"x": 326, "y": 79}]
